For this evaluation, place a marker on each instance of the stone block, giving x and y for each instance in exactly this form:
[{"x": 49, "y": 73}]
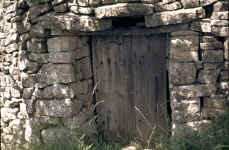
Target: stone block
[
  {"x": 81, "y": 10},
  {"x": 174, "y": 17},
  {"x": 190, "y": 3},
  {"x": 123, "y": 10},
  {"x": 220, "y": 23},
  {"x": 39, "y": 57},
  {"x": 54, "y": 108},
  {"x": 184, "y": 56},
  {"x": 184, "y": 33},
  {"x": 61, "y": 8},
  {"x": 192, "y": 91},
  {"x": 37, "y": 45},
  {"x": 27, "y": 93},
  {"x": 182, "y": 73},
  {"x": 107, "y": 2},
  {"x": 15, "y": 93},
  {"x": 64, "y": 43},
  {"x": 223, "y": 15},
  {"x": 56, "y": 73},
  {"x": 11, "y": 38},
  {"x": 83, "y": 69},
  {"x": 82, "y": 87},
  {"x": 221, "y": 6},
  {"x": 56, "y": 2},
  {"x": 224, "y": 87},
  {"x": 220, "y": 28},
  {"x": 82, "y": 52},
  {"x": 89, "y": 2},
  {"x": 186, "y": 110},
  {"x": 40, "y": 122},
  {"x": 6, "y": 80},
  {"x": 56, "y": 91},
  {"x": 167, "y": 1},
  {"x": 208, "y": 39},
  {"x": 56, "y": 135},
  {"x": 213, "y": 107},
  {"x": 27, "y": 80},
  {"x": 167, "y": 7},
  {"x": 38, "y": 31},
  {"x": 211, "y": 45},
  {"x": 8, "y": 114},
  {"x": 214, "y": 56},
  {"x": 29, "y": 66},
  {"x": 213, "y": 66},
  {"x": 72, "y": 22},
  {"x": 12, "y": 48},
  {"x": 208, "y": 76},
  {"x": 203, "y": 25},
  {"x": 82, "y": 121},
  {"x": 184, "y": 43},
  {"x": 187, "y": 129},
  {"x": 62, "y": 57},
  {"x": 37, "y": 10}
]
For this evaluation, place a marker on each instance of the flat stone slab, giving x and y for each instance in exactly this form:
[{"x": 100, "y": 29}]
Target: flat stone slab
[
  {"x": 193, "y": 91},
  {"x": 106, "y": 2},
  {"x": 186, "y": 110},
  {"x": 174, "y": 17},
  {"x": 54, "y": 108},
  {"x": 124, "y": 9},
  {"x": 73, "y": 23},
  {"x": 61, "y": 73},
  {"x": 182, "y": 73}
]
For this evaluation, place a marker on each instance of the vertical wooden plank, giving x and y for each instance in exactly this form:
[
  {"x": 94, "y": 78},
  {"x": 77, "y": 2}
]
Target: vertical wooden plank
[{"x": 130, "y": 72}]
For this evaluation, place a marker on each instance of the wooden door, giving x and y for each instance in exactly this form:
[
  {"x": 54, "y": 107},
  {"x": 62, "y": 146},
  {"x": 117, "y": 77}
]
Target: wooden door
[{"x": 130, "y": 80}]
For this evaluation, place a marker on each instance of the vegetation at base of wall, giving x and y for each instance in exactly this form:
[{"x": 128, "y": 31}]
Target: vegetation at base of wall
[{"x": 216, "y": 137}]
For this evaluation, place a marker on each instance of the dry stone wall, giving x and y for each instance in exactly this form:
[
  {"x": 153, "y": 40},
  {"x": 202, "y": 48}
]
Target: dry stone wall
[{"x": 46, "y": 73}]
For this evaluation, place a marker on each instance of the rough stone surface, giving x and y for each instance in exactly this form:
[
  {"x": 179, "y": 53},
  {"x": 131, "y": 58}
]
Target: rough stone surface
[
  {"x": 192, "y": 91},
  {"x": 214, "y": 106},
  {"x": 174, "y": 17},
  {"x": 186, "y": 110},
  {"x": 54, "y": 108},
  {"x": 182, "y": 73},
  {"x": 46, "y": 72},
  {"x": 62, "y": 73},
  {"x": 122, "y": 10}
]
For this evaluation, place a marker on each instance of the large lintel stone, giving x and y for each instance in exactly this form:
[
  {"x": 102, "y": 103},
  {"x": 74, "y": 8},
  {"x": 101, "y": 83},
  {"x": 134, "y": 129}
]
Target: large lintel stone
[
  {"x": 72, "y": 22},
  {"x": 174, "y": 17},
  {"x": 107, "y": 2},
  {"x": 123, "y": 10}
]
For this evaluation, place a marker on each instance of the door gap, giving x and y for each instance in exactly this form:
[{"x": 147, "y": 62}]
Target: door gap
[
  {"x": 169, "y": 108},
  {"x": 92, "y": 71}
]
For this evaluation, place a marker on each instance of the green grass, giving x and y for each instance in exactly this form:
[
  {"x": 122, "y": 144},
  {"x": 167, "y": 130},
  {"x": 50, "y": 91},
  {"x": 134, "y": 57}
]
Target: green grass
[{"x": 215, "y": 138}]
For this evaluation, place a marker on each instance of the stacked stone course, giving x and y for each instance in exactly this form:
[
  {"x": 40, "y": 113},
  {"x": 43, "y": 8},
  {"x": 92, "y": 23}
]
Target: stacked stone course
[{"x": 46, "y": 78}]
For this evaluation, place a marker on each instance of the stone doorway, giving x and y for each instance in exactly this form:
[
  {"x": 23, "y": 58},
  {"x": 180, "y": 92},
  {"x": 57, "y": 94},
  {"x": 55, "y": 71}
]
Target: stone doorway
[{"x": 130, "y": 78}]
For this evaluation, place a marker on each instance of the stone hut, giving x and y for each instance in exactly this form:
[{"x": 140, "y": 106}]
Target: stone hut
[{"x": 118, "y": 68}]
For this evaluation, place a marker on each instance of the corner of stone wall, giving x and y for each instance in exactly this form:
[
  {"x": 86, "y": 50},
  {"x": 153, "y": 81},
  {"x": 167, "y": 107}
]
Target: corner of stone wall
[
  {"x": 14, "y": 117},
  {"x": 199, "y": 72}
]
